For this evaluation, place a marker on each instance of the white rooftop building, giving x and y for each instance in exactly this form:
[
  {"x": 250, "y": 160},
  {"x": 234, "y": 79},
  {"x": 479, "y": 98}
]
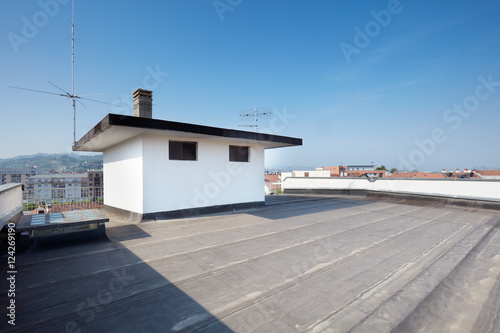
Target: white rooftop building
[{"x": 159, "y": 169}]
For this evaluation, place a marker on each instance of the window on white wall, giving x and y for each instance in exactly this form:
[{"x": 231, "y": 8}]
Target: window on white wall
[
  {"x": 182, "y": 150},
  {"x": 238, "y": 153}
]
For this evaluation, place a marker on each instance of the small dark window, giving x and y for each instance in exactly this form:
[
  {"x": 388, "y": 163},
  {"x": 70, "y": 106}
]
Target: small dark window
[
  {"x": 306, "y": 174},
  {"x": 185, "y": 151},
  {"x": 238, "y": 154}
]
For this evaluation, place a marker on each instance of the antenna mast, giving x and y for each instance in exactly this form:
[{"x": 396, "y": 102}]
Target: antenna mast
[
  {"x": 74, "y": 98},
  {"x": 255, "y": 115},
  {"x": 73, "y": 68}
]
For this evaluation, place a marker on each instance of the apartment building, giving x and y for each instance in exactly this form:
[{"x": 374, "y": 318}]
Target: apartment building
[
  {"x": 64, "y": 187},
  {"x": 16, "y": 176},
  {"x": 95, "y": 183},
  {"x": 354, "y": 171}
]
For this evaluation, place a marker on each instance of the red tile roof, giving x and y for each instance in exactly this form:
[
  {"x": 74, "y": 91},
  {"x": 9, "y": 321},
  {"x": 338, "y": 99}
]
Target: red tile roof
[
  {"x": 272, "y": 181},
  {"x": 334, "y": 171},
  {"x": 272, "y": 178},
  {"x": 417, "y": 175},
  {"x": 488, "y": 172}
]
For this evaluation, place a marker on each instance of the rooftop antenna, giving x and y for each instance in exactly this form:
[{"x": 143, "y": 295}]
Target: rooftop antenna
[
  {"x": 255, "y": 115},
  {"x": 74, "y": 98},
  {"x": 73, "y": 68}
]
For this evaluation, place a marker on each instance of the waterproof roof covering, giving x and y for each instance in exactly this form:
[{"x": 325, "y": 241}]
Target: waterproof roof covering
[{"x": 114, "y": 129}]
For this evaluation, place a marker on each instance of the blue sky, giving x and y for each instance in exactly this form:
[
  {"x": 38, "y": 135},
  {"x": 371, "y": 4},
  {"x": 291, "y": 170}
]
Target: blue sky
[{"x": 407, "y": 84}]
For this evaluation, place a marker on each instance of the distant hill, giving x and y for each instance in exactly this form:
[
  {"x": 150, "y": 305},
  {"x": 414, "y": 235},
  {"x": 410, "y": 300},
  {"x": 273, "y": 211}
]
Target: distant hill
[
  {"x": 482, "y": 167},
  {"x": 66, "y": 163}
]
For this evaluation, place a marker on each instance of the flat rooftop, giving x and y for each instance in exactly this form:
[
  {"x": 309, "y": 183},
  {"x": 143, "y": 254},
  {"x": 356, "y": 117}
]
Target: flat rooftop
[{"x": 299, "y": 264}]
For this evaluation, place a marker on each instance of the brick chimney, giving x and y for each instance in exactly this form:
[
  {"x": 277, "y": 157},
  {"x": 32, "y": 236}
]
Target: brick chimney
[{"x": 143, "y": 103}]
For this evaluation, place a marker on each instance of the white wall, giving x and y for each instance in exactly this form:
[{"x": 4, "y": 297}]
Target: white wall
[
  {"x": 123, "y": 180},
  {"x": 318, "y": 173},
  {"x": 11, "y": 201},
  {"x": 211, "y": 180},
  {"x": 455, "y": 188},
  {"x": 490, "y": 177},
  {"x": 312, "y": 173}
]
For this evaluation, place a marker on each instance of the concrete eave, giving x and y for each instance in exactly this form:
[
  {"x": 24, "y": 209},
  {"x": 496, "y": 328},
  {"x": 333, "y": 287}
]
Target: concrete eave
[{"x": 114, "y": 129}]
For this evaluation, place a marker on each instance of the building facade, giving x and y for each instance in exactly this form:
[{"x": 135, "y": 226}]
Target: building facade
[
  {"x": 64, "y": 187},
  {"x": 95, "y": 184},
  {"x": 302, "y": 173},
  {"x": 272, "y": 183},
  {"x": 16, "y": 176}
]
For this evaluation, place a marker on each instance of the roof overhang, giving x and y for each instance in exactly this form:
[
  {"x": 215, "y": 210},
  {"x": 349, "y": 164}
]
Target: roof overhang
[{"x": 114, "y": 129}]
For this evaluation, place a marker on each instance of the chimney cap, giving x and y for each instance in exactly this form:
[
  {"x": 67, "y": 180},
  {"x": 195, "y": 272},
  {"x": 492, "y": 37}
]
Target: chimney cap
[
  {"x": 143, "y": 103},
  {"x": 142, "y": 93}
]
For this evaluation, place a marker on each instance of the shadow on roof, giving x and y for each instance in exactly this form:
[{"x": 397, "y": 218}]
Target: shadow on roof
[
  {"x": 317, "y": 204},
  {"x": 126, "y": 232},
  {"x": 99, "y": 287}
]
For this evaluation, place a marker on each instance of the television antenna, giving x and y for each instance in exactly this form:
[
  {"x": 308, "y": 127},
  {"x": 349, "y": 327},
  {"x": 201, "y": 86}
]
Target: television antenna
[
  {"x": 74, "y": 98},
  {"x": 255, "y": 115}
]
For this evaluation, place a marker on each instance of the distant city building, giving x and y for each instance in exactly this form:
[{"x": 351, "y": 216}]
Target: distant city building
[
  {"x": 16, "y": 176},
  {"x": 422, "y": 175},
  {"x": 370, "y": 171},
  {"x": 458, "y": 174},
  {"x": 365, "y": 170},
  {"x": 95, "y": 184},
  {"x": 336, "y": 171},
  {"x": 272, "y": 183},
  {"x": 310, "y": 173},
  {"x": 360, "y": 167},
  {"x": 64, "y": 187},
  {"x": 452, "y": 173}
]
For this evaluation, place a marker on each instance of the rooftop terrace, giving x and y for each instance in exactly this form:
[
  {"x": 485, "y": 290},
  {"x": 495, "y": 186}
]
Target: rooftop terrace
[{"x": 299, "y": 264}]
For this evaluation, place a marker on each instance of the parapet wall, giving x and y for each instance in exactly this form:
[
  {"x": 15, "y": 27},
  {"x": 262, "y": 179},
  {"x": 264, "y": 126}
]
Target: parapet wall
[
  {"x": 11, "y": 203},
  {"x": 483, "y": 189}
]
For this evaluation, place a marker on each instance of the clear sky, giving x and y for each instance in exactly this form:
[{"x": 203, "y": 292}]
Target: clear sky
[{"x": 407, "y": 84}]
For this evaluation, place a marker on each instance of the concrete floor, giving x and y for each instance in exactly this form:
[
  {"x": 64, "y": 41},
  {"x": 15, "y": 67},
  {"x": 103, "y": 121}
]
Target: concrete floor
[{"x": 300, "y": 264}]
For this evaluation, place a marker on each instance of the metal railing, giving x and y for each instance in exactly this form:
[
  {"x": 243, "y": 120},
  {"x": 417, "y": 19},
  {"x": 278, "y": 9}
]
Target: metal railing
[{"x": 60, "y": 199}]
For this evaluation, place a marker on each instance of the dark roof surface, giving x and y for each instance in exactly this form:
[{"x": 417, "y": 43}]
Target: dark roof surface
[{"x": 300, "y": 264}]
